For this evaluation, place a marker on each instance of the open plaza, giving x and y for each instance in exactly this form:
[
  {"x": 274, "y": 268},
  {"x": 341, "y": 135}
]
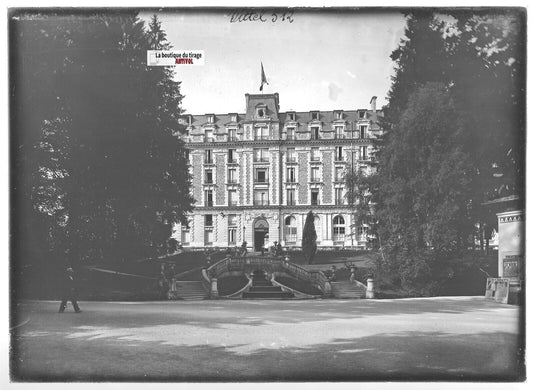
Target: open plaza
[{"x": 445, "y": 338}]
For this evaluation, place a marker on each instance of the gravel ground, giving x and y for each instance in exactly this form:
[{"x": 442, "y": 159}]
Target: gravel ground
[{"x": 446, "y": 338}]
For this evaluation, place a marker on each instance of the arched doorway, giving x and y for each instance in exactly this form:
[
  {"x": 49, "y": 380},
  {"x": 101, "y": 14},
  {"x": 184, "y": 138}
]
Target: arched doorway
[{"x": 260, "y": 233}]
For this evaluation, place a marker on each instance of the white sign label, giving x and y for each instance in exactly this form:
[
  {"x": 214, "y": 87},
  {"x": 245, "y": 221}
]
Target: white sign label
[{"x": 175, "y": 57}]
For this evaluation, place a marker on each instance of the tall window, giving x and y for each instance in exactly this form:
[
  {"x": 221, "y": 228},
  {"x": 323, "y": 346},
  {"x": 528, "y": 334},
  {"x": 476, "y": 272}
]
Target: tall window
[
  {"x": 208, "y": 156},
  {"x": 338, "y": 115},
  {"x": 315, "y": 132},
  {"x": 291, "y": 155},
  {"x": 338, "y": 229},
  {"x": 261, "y": 133},
  {"x": 291, "y": 175},
  {"x": 232, "y": 198},
  {"x": 363, "y": 131},
  {"x": 232, "y": 134},
  {"x": 185, "y": 236},
  {"x": 208, "y": 197},
  {"x": 208, "y": 176},
  {"x": 339, "y": 173},
  {"x": 232, "y": 229},
  {"x": 314, "y": 197},
  {"x": 339, "y": 132},
  {"x": 261, "y": 197},
  {"x": 362, "y": 114},
  {"x": 232, "y": 175},
  {"x": 208, "y": 220},
  {"x": 210, "y": 118},
  {"x": 315, "y": 177},
  {"x": 290, "y": 230},
  {"x": 261, "y": 155},
  {"x": 232, "y": 235},
  {"x": 338, "y": 153},
  {"x": 314, "y": 115},
  {"x": 261, "y": 175},
  {"x": 291, "y": 197},
  {"x": 232, "y": 155},
  {"x": 209, "y": 136},
  {"x": 290, "y": 133},
  {"x": 339, "y": 200},
  {"x": 233, "y": 117},
  {"x": 363, "y": 153},
  {"x": 208, "y": 237},
  {"x": 314, "y": 154},
  {"x": 291, "y": 116}
]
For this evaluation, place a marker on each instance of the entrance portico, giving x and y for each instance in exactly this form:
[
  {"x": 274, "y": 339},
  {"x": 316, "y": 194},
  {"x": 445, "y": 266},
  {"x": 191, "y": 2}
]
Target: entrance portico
[{"x": 260, "y": 233}]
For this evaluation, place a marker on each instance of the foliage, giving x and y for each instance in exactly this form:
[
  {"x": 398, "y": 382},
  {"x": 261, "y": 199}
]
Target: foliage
[
  {"x": 98, "y": 160},
  {"x": 358, "y": 186},
  {"x": 309, "y": 238},
  {"x": 455, "y": 114}
]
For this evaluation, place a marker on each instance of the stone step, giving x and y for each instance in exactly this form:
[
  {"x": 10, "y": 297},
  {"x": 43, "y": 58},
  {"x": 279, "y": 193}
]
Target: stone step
[
  {"x": 267, "y": 295},
  {"x": 265, "y": 288},
  {"x": 189, "y": 290}
]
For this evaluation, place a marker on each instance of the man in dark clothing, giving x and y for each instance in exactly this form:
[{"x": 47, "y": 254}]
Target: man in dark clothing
[{"x": 69, "y": 292}]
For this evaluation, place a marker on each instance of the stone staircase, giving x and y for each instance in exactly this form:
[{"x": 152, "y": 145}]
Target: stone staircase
[
  {"x": 348, "y": 290},
  {"x": 188, "y": 291},
  {"x": 263, "y": 289}
]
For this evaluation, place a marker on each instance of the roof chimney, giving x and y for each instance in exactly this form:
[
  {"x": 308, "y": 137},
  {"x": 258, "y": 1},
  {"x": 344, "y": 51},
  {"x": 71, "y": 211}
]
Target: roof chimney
[{"x": 373, "y": 103}]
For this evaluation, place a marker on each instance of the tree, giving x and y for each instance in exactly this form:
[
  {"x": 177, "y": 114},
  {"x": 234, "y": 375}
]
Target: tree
[
  {"x": 424, "y": 189},
  {"x": 98, "y": 151},
  {"x": 470, "y": 65},
  {"x": 358, "y": 186},
  {"x": 309, "y": 238}
]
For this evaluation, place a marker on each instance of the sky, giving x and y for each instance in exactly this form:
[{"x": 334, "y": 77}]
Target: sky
[{"x": 320, "y": 61}]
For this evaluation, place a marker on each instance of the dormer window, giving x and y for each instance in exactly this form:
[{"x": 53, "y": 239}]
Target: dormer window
[
  {"x": 210, "y": 119},
  {"x": 338, "y": 115},
  {"x": 260, "y": 112},
  {"x": 291, "y": 116},
  {"x": 362, "y": 114},
  {"x": 233, "y": 117},
  {"x": 314, "y": 115}
]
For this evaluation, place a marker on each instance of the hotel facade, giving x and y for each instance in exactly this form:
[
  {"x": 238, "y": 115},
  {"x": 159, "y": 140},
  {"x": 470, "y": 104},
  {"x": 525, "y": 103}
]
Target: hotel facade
[{"x": 256, "y": 175}]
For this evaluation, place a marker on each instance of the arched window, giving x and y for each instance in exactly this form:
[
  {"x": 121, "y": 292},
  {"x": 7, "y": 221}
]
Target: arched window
[
  {"x": 290, "y": 230},
  {"x": 318, "y": 229},
  {"x": 338, "y": 229}
]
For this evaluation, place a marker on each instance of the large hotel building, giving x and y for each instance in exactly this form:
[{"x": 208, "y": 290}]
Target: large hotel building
[{"x": 257, "y": 174}]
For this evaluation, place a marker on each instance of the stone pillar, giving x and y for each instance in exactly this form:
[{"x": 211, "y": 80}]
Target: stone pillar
[
  {"x": 214, "y": 288},
  {"x": 370, "y": 289},
  {"x": 327, "y": 289}
]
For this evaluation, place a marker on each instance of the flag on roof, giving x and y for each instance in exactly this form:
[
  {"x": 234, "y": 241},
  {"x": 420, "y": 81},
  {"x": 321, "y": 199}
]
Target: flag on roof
[{"x": 263, "y": 78}]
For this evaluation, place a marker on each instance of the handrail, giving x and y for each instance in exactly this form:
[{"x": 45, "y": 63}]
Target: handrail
[
  {"x": 242, "y": 290},
  {"x": 272, "y": 264}
]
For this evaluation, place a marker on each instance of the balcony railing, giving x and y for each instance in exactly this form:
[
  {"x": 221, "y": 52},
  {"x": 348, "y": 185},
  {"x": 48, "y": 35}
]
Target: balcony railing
[
  {"x": 261, "y": 137},
  {"x": 208, "y": 161},
  {"x": 261, "y": 159},
  {"x": 315, "y": 180},
  {"x": 291, "y": 159},
  {"x": 232, "y": 203},
  {"x": 258, "y": 202},
  {"x": 260, "y": 181},
  {"x": 232, "y": 138}
]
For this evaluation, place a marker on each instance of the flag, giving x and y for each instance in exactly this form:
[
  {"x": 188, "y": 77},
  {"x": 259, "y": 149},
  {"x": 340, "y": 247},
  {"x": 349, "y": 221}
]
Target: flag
[{"x": 263, "y": 78}]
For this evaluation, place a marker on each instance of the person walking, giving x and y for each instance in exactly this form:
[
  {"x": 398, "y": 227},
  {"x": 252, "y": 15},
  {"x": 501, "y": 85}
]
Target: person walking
[{"x": 69, "y": 292}]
